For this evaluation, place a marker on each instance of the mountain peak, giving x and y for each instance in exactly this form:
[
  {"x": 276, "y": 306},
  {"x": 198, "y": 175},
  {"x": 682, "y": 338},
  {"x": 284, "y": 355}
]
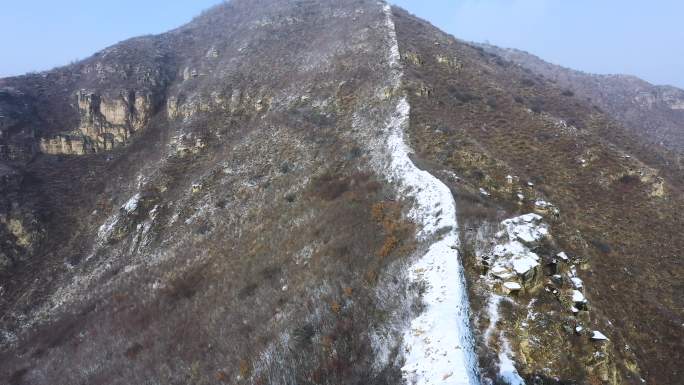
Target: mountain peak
[{"x": 334, "y": 192}]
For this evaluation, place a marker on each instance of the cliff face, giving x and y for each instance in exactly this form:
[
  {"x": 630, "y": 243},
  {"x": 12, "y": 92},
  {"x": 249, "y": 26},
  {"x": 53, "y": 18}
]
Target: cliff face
[
  {"x": 90, "y": 106},
  {"x": 104, "y": 123},
  {"x": 326, "y": 192}
]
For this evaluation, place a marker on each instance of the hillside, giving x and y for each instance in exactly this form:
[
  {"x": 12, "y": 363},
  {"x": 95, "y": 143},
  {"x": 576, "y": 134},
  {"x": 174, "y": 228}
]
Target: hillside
[
  {"x": 653, "y": 113},
  {"x": 330, "y": 192}
]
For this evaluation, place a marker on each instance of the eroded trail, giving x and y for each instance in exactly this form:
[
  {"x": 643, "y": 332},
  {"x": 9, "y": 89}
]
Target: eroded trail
[{"x": 438, "y": 347}]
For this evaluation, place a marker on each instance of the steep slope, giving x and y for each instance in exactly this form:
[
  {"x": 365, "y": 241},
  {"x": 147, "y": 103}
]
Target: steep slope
[
  {"x": 439, "y": 344},
  {"x": 244, "y": 234},
  {"x": 510, "y": 142},
  {"x": 238, "y": 201},
  {"x": 653, "y": 113}
]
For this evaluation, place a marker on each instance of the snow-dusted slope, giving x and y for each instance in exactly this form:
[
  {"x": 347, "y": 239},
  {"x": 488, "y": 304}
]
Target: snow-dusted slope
[{"x": 438, "y": 346}]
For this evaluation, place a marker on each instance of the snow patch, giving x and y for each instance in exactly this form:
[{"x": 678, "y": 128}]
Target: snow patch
[
  {"x": 577, "y": 283},
  {"x": 394, "y": 56},
  {"x": 438, "y": 346},
  {"x": 507, "y": 371},
  {"x": 598, "y": 336},
  {"x": 527, "y": 228},
  {"x": 512, "y": 286},
  {"x": 106, "y": 229},
  {"x": 132, "y": 204},
  {"x": 514, "y": 254},
  {"x": 578, "y": 297},
  {"x": 525, "y": 263},
  {"x": 511, "y": 260}
]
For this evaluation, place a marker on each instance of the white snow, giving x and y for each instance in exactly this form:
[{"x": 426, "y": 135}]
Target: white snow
[
  {"x": 514, "y": 254},
  {"x": 527, "y": 228},
  {"x": 129, "y": 207},
  {"x": 576, "y": 283},
  {"x": 525, "y": 264},
  {"x": 598, "y": 336},
  {"x": 438, "y": 346},
  {"x": 132, "y": 203},
  {"x": 510, "y": 258},
  {"x": 502, "y": 272},
  {"x": 394, "y": 55},
  {"x": 439, "y": 341},
  {"x": 562, "y": 256},
  {"x": 513, "y": 286},
  {"x": 107, "y": 227},
  {"x": 578, "y": 297},
  {"x": 509, "y": 249},
  {"x": 484, "y": 192},
  {"x": 507, "y": 371},
  {"x": 493, "y": 314}
]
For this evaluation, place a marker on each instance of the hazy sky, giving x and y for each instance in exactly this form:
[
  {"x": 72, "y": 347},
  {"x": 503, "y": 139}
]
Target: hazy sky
[{"x": 639, "y": 37}]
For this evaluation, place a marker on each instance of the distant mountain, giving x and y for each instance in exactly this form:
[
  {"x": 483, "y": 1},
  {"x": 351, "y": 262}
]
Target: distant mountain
[
  {"x": 335, "y": 192},
  {"x": 654, "y": 113}
]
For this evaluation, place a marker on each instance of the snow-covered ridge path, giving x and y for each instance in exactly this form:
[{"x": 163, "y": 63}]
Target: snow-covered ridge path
[{"x": 438, "y": 347}]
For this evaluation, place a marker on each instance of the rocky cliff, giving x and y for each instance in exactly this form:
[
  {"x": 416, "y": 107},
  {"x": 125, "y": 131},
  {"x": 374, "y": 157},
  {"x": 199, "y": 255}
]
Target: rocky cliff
[
  {"x": 103, "y": 123},
  {"x": 328, "y": 192}
]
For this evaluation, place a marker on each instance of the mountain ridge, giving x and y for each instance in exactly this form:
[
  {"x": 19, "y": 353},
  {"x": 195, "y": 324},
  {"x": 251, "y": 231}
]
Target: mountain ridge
[
  {"x": 653, "y": 112},
  {"x": 228, "y": 215}
]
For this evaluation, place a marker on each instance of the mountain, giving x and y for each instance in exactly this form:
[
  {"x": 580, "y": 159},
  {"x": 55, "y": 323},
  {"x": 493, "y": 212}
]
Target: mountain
[
  {"x": 654, "y": 113},
  {"x": 329, "y": 192}
]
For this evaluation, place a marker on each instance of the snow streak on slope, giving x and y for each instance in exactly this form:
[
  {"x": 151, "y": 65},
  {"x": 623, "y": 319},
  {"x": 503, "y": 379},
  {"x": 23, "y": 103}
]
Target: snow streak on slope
[
  {"x": 439, "y": 345},
  {"x": 507, "y": 371}
]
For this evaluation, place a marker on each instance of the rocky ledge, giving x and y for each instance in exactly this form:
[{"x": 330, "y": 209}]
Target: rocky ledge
[
  {"x": 105, "y": 122},
  {"x": 527, "y": 283}
]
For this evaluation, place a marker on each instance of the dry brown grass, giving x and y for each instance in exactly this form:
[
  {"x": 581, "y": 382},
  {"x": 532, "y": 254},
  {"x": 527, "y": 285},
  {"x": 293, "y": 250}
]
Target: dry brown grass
[
  {"x": 618, "y": 227},
  {"x": 397, "y": 231}
]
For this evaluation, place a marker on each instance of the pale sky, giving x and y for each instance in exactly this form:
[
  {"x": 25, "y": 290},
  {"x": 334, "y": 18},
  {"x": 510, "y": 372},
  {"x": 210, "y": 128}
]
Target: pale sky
[{"x": 639, "y": 37}]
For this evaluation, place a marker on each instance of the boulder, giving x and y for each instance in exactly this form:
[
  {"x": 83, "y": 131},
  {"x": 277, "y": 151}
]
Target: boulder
[{"x": 511, "y": 287}]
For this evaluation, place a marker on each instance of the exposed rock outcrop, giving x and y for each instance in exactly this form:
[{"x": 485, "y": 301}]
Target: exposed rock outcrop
[
  {"x": 517, "y": 260},
  {"x": 513, "y": 260},
  {"x": 235, "y": 101},
  {"x": 67, "y": 145},
  {"x": 105, "y": 122},
  {"x": 264, "y": 115}
]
